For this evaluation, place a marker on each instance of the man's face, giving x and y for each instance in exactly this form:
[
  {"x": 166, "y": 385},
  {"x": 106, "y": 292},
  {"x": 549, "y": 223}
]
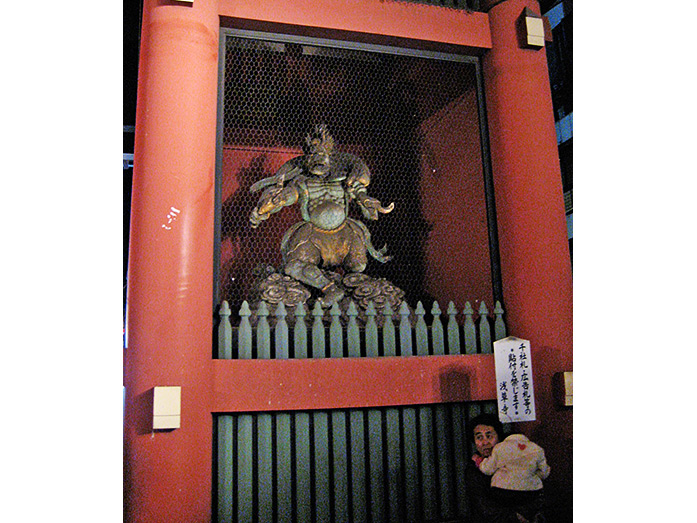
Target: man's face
[{"x": 484, "y": 439}]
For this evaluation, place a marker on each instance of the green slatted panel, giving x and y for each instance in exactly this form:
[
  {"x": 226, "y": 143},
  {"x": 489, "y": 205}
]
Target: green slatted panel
[
  {"x": 330, "y": 466},
  {"x": 411, "y": 465},
  {"x": 341, "y": 466},
  {"x": 303, "y": 482},
  {"x": 302, "y": 471},
  {"x": 245, "y": 468},
  {"x": 265, "y": 493},
  {"x": 284, "y": 471},
  {"x": 321, "y": 451},
  {"x": 427, "y": 458},
  {"x": 356, "y": 422},
  {"x": 409, "y": 436},
  {"x": 378, "y": 508},
  {"x": 444, "y": 464},
  {"x": 394, "y": 456},
  {"x": 428, "y": 464},
  {"x": 459, "y": 438},
  {"x": 226, "y": 463},
  {"x": 394, "y": 469},
  {"x": 338, "y": 429},
  {"x": 359, "y": 478},
  {"x": 320, "y": 434}
]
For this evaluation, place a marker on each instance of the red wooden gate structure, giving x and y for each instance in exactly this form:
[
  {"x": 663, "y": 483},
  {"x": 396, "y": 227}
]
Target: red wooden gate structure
[{"x": 169, "y": 474}]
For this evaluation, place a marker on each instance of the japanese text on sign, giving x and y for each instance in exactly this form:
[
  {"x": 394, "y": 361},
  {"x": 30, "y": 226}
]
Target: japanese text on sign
[{"x": 515, "y": 393}]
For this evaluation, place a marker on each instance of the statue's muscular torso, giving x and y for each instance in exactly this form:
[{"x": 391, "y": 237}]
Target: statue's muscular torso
[{"x": 324, "y": 202}]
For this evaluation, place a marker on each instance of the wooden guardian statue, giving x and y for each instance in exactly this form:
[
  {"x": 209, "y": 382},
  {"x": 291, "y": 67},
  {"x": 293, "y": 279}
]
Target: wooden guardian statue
[{"x": 323, "y": 182}]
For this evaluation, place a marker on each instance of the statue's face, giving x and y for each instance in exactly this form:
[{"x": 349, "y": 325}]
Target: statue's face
[{"x": 318, "y": 157}]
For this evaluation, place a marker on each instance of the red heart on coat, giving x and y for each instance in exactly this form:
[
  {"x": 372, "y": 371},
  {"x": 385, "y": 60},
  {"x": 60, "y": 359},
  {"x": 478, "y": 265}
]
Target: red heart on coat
[{"x": 522, "y": 446}]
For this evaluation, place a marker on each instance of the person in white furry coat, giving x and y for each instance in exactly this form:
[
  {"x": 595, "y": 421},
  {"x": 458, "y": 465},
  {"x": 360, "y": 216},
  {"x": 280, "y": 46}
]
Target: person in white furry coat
[
  {"x": 518, "y": 467},
  {"x": 516, "y": 464}
]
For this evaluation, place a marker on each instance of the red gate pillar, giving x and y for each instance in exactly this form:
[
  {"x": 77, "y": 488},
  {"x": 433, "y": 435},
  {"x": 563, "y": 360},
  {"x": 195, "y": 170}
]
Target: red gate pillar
[
  {"x": 167, "y": 474},
  {"x": 535, "y": 261}
]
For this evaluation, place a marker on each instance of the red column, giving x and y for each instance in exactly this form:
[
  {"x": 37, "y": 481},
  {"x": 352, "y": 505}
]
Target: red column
[
  {"x": 167, "y": 474},
  {"x": 535, "y": 262}
]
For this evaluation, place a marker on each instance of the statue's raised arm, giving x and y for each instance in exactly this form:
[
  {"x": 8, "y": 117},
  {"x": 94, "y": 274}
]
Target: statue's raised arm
[{"x": 276, "y": 194}]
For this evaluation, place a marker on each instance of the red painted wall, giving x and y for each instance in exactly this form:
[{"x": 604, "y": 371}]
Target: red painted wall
[
  {"x": 453, "y": 198},
  {"x": 167, "y": 475},
  {"x": 388, "y": 19},
  {"x": 243, "y": 248},
  {"x": 535, "y": 261}
]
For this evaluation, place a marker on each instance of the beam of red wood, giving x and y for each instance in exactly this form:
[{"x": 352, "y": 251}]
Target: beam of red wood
[{"x": 332, "y": 383}]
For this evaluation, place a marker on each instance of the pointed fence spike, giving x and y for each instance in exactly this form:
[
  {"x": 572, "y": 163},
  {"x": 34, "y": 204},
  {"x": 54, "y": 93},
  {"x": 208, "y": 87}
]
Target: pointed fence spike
[
  {"x": 405, "y": 345},
  {"x": 262, "y": 310},
  {"x": 437, "y": 331},
  {"x": 370, "y": 309},
  {"x": 300, "y": 332},
  {"x": 388, "y": 334},
  {"x": 281, "y": 332},
  {"x": 353, "y": 333},
  {"x": 224, "y": 332},
  {"x": 336, "y": 335},
  {"x": 421, "y": 331},
  {"x": 371, "y": 332},
  {"x": 244, "y": 333},
  {"x": 300, "y": 311},
  {"x": 263, "y": 333},
  {"x": 484, "y": 330},
  {"x": 244, "y": 310},
  {"x": 499, "y": 323},
  {"x": 469, "y": 330},
  {"x": 225, "y": 308},
  {"x": 281, "y": 310},
  {"x": 453, "y": 330},
  {"x": 318, "y": 344}
]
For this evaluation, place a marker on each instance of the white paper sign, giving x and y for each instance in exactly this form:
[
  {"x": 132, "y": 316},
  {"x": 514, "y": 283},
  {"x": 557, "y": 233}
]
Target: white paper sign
[{"x": 515, "y": 392}]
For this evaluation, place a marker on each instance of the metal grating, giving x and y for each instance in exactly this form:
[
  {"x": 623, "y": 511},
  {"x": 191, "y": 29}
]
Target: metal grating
[
  {"x": 464, "y": 5},
  {"x": 413, "y": 117}
]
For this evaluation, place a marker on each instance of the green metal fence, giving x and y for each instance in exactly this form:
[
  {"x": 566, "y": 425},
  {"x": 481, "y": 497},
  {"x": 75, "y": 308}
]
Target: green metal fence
[{"x": 387, "y": 464}]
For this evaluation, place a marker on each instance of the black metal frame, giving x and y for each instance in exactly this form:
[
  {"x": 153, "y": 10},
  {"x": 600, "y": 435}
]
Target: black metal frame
[{"x": 225, "y": 32}]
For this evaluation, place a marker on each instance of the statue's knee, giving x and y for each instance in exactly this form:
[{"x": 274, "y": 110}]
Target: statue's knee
[
  {"x": 356, "y": 266},
  {"x": 357, "y": 261}
]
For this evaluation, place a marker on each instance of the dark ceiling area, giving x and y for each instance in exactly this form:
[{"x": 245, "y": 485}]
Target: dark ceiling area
[{"x": 131, "y": 40}]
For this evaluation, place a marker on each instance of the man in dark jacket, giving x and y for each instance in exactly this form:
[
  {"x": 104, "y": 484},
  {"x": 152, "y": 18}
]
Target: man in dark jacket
[{"x": 486, "y": 432}]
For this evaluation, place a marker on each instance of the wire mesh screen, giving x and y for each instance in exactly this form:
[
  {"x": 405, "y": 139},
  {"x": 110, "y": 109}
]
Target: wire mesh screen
[{"x": 414, "y": 121}]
